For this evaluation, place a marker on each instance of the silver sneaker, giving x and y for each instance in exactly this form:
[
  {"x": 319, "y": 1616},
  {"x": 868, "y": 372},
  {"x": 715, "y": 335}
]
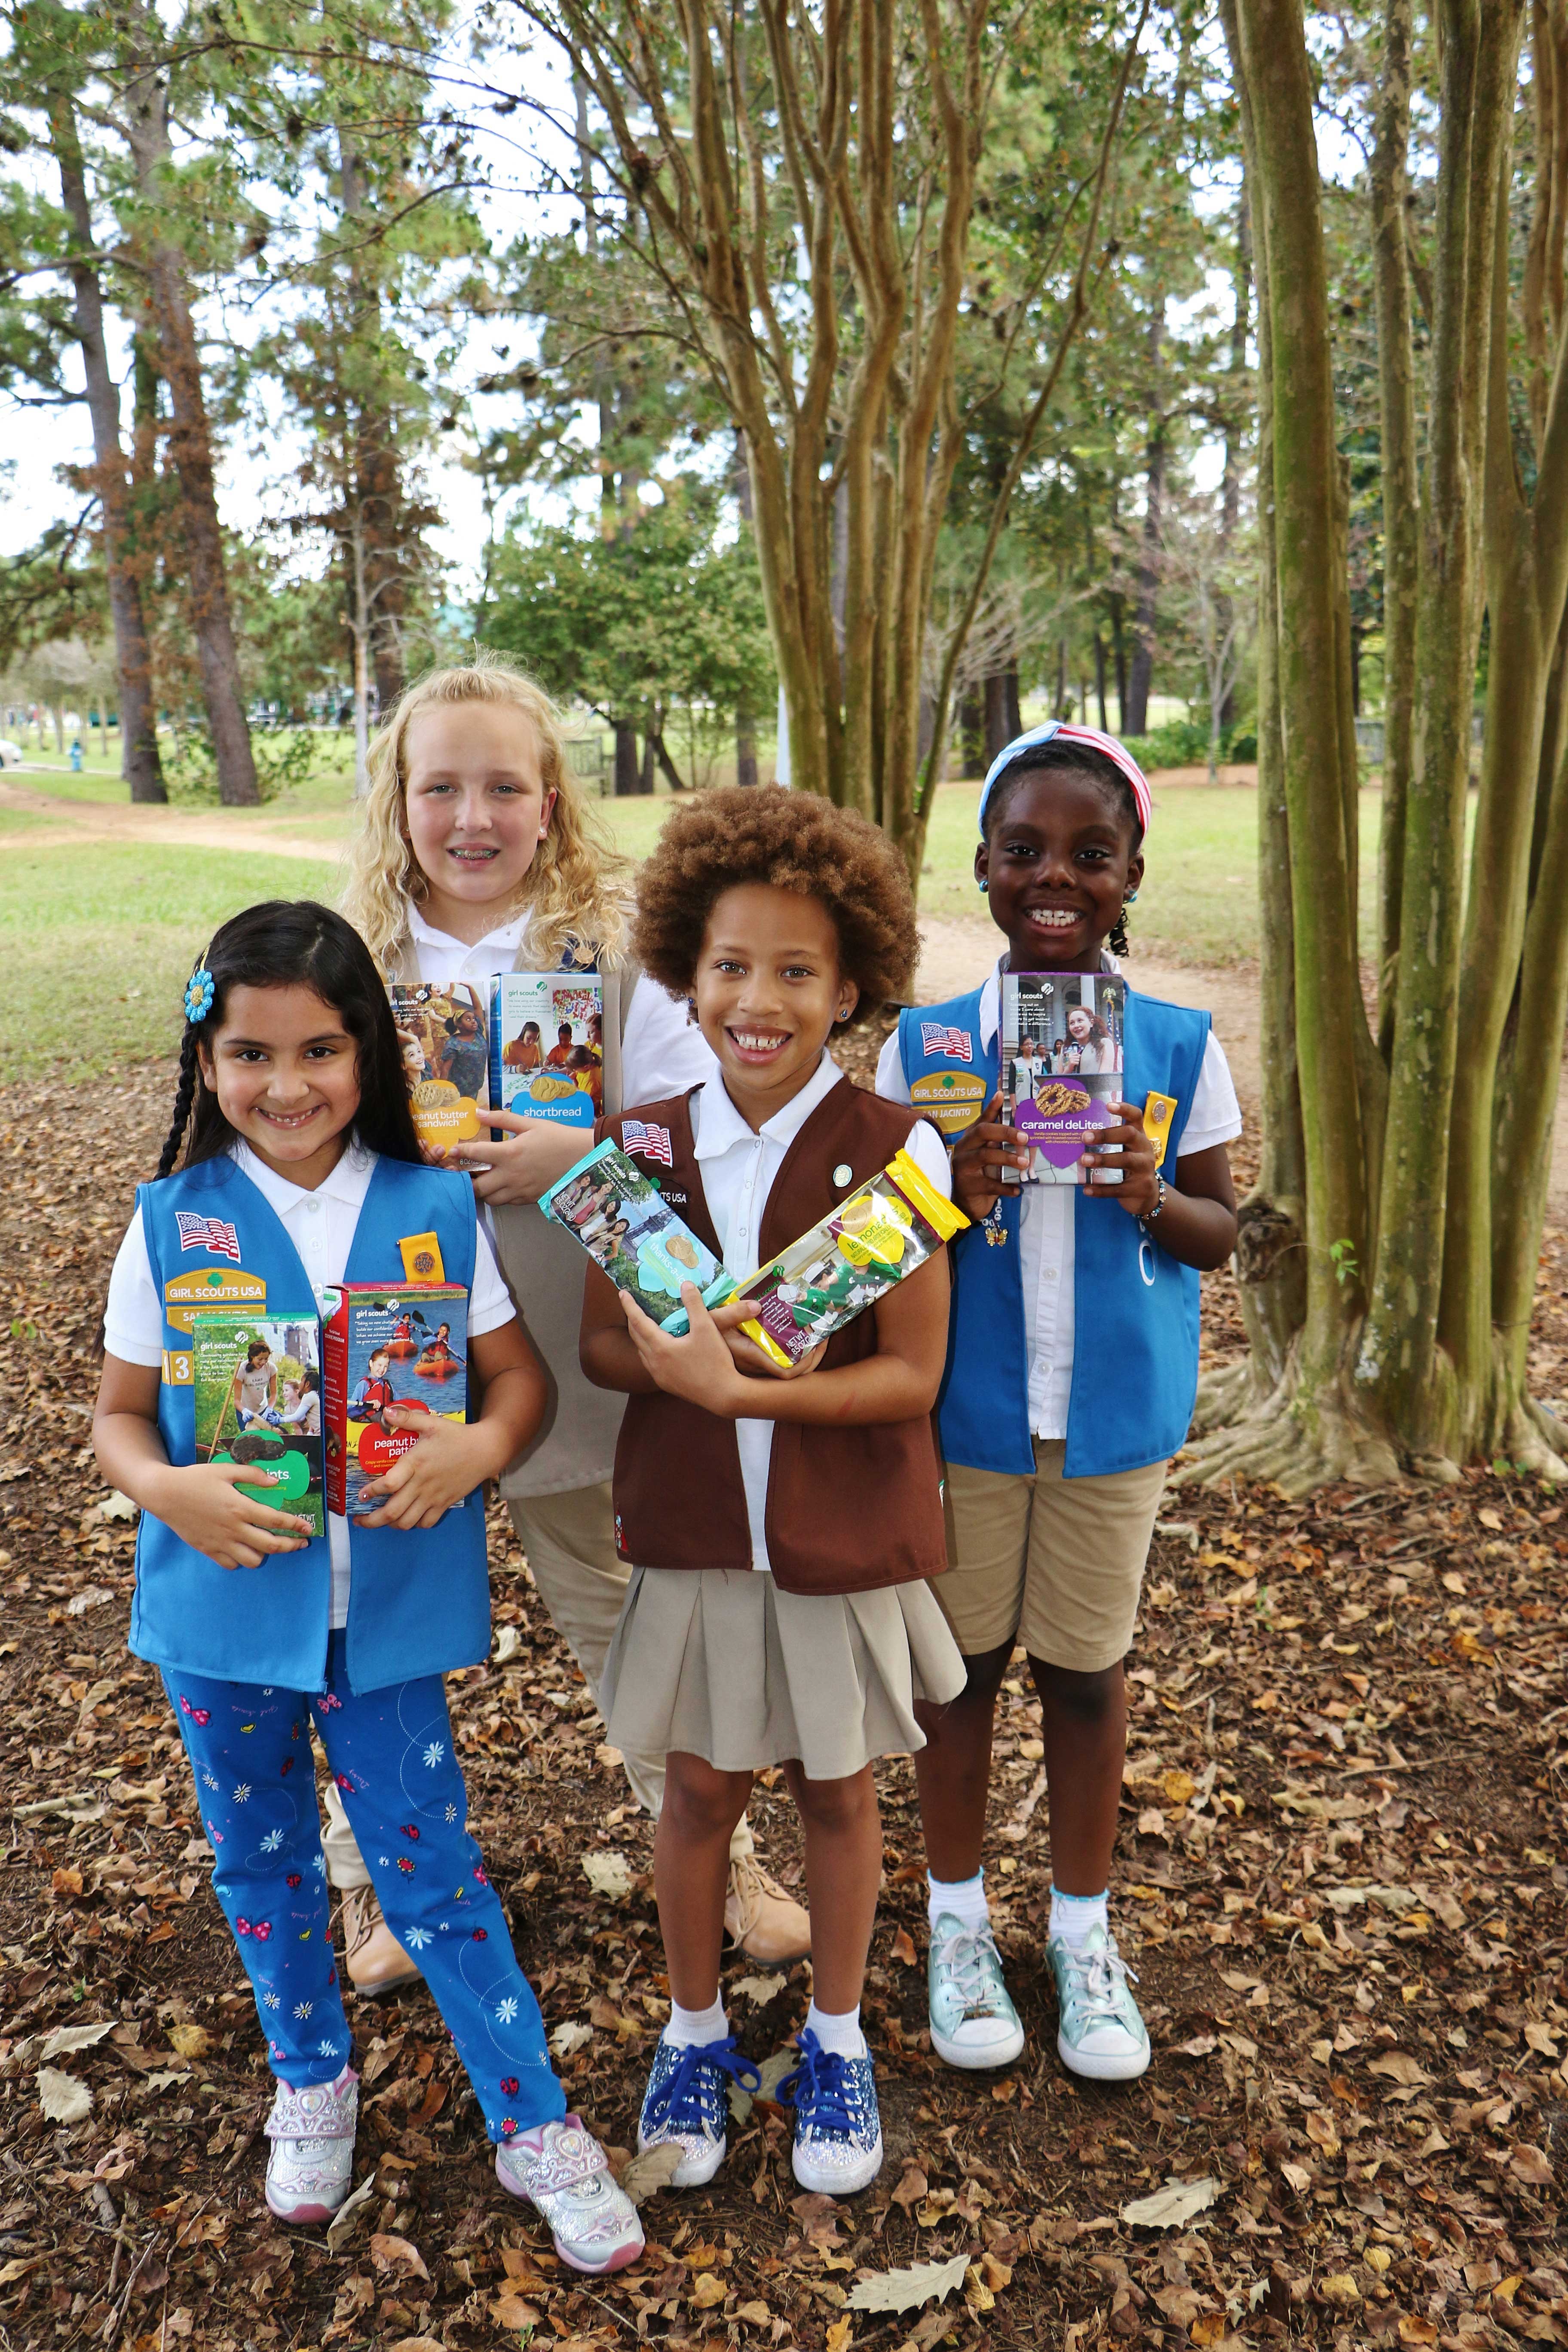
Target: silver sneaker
[
  {"x": 972, "y": 2020},
  {"x": 1100, "y": 2033},
  {"x": 312, "y": 2136},
  {"x": 561, "y": 2168}
]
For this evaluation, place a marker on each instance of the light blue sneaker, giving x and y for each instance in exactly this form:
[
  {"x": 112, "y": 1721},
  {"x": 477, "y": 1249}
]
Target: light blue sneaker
[
  {"x": 1100, "y": 2034},
  {"x": 687, "y": 2104},
  {"x": 972, "y": 2020},
  {"x": 837, "y": 2125}
]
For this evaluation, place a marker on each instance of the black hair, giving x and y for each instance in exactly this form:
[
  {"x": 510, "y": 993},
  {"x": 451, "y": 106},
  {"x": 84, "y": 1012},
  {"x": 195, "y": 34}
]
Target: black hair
[
  {"x": 1071, "y": 759},
  {"x": 295, "y": 943}
]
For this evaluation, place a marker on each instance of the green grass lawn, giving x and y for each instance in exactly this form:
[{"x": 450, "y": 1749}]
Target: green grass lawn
[
  {"x": 97, "y": 937},
  {"x": 98, "y": 940}
]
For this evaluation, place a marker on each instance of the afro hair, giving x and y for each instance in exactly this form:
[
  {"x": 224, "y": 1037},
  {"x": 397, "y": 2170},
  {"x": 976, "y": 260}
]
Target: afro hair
[{"x": 794, "y": 841}]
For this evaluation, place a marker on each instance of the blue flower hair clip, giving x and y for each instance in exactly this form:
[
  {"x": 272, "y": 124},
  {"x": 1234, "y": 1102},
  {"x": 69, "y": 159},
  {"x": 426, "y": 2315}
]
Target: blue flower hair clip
[{"x": 199, "y": 994}]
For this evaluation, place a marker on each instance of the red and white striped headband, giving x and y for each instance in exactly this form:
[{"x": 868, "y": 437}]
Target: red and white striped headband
[{"x": 1063, "y": 730}]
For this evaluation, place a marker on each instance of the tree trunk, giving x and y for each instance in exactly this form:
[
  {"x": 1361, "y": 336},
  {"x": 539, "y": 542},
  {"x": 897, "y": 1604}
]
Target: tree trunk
[
  {"x": 1389, "y": 183},
  {"x": 1315, "y": 1208},
  {"x": 1135, "y": 719},
  {"x": 138, "y": 760},
  {"x": 971, "y": 756},
  {"x": 628, "y": 776},
  {"x": 190, "y": 449},
  {"x": 745, "y": 716},
  {"x": 1003, "y": 719},
  {"x": 1230, "y": 487},
  {"x": 1099, "y": 681},
  {"x": 1398, "y": 1364},
  {"x": 376, "y": 489}
]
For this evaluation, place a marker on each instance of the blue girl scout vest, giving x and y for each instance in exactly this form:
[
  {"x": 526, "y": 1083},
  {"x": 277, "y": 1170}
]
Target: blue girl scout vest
[
  {"x": 1135, "y": 1341},
  {"x": 418, "y": 1600}
]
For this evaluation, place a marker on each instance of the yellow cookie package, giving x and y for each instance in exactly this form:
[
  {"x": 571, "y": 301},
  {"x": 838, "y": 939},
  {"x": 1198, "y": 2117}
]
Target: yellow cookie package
[{"x": 876, "y": 1238}]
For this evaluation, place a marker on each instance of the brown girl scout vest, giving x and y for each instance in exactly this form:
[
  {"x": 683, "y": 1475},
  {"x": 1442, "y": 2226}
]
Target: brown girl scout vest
[{"x": 847, "y": 1510}]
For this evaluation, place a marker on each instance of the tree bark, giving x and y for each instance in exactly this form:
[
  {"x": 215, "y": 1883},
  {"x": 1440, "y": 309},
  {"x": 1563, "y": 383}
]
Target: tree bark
[
  {"x": 376, "y": 489},
  {"x": 1003, "y": 719},
  {"x": 1235, "y": 435},
  {"x": 190, "y": 449},
  {"x": 1398, "y": 1365},
  {"x": 1146, "y": 598},
  {"x": 745, "y": 716},
  {"x": 1389, "y": 184},
  {"x": 139, "y": 761}
]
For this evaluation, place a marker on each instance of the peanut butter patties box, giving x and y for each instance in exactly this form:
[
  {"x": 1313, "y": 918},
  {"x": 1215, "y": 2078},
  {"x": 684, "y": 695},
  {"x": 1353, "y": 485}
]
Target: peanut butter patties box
[{"x": 384, "y": 1346}]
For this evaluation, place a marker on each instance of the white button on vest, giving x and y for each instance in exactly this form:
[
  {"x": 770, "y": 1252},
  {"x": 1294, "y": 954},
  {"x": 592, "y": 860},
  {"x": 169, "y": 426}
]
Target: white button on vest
[
  {"x": 843, "y": 1172},
  {"x": 314, "y": 1205}
]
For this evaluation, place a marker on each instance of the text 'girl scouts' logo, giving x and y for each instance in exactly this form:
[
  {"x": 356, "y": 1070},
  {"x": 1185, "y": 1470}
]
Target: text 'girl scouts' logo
[{"x": 937, "y": 1038}]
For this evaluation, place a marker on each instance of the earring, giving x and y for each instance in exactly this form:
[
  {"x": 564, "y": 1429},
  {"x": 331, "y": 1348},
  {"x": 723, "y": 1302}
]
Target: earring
[
  {"x": 984, "y": 885},
  {"x": 1129, "y": 898},
  {"x": 845, "y": 1014}
]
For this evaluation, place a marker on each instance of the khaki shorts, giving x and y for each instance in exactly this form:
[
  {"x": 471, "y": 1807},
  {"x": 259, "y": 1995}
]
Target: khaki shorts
[{"x": 1055, "y": 1562}]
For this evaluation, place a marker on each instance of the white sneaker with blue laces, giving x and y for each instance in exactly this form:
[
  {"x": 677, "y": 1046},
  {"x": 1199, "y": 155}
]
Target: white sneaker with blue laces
[
  {"x": 837, "y": 2125},
  {"x": 687, "y": 2104},
  {"x": 972, "y": 2020},
  {"x": 1100, "y": 2034}
]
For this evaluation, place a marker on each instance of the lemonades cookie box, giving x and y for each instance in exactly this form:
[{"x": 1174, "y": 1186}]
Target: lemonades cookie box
[
  {"x": 381, "y": 1347},
  {"x": 547, "y": 1051},
  {"x": 446, "y": 1056},
  {"x": 258, "y": 1385},
  {"x": 843, "y": 1265},
  {"x": 629, "y": 1230}
]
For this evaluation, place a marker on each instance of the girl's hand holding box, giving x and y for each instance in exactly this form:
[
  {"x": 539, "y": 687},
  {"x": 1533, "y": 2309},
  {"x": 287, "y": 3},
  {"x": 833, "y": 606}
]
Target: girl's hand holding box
[{"x": 202, "y": 1501}]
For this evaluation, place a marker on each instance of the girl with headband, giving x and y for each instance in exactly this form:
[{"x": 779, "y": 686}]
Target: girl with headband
[{"x": 1071, "y": 1373}]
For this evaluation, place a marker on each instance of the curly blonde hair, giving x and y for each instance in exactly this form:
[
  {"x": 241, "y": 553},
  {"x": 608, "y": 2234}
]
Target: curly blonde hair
[
  {"x": 762, "y": 833},
  {"x": 573, "y": 889}
]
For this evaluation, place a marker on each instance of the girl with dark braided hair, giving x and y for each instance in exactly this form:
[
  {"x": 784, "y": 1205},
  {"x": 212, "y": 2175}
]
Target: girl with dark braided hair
[
  {"x": 1069, "y": 1384},
  {"x": 301, "y": 1172}
]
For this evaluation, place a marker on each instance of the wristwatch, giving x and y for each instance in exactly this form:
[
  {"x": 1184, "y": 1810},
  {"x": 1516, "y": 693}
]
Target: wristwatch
[{"x": 1148, "y": 1215}]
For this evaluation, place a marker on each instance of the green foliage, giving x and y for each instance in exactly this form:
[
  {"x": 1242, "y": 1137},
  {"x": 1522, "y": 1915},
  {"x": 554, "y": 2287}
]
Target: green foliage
[
  {"x": 1184, "y": 743},
  {"x": 284, "y": 758},
  {"x": 655, "y": 615}
]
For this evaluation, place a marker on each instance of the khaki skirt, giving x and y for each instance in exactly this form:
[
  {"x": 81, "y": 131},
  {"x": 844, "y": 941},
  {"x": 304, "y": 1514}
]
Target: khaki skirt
[{"x": 719, "y": 1662}]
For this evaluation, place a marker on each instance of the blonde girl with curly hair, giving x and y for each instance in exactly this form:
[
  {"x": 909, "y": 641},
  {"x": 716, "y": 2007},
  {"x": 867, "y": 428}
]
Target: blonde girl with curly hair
[{"x": 476, "y": 853}]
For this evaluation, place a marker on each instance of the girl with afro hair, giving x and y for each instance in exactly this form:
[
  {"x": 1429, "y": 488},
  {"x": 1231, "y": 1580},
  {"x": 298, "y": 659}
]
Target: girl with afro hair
[{"x": 780, "y": 1536}]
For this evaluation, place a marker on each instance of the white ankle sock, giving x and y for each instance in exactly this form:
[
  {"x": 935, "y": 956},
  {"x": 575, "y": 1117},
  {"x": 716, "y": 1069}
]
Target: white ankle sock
[
  {"x": 1072, "y": 1915},
  {"x": 841, "y": 2033},
  {"x": 689, "y": 2027},
  {"x": 962, "y": 1898}
]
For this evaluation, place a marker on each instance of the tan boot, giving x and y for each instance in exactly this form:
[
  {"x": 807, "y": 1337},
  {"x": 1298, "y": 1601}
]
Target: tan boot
[
  {"x": 377, "y": 1962},
  {"x": 760, "y": 1917}
]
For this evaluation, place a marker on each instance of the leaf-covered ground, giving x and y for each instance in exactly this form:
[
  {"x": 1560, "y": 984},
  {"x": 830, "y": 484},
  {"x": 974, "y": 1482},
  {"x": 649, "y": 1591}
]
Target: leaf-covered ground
[{"x": 1341, "y": 1880}]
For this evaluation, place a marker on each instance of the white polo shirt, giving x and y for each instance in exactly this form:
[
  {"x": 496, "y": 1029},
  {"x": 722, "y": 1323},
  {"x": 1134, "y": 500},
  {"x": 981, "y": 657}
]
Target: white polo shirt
[
  {"x": 1046, "y": 1236},
  {"x": 320, "y": 1224},
  {"x": 738, "y": 1169}
]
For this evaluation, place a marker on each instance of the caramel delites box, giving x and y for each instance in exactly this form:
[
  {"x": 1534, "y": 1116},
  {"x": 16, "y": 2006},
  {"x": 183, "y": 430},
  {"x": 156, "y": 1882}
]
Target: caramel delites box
[{"x": 384, "y": 1346}]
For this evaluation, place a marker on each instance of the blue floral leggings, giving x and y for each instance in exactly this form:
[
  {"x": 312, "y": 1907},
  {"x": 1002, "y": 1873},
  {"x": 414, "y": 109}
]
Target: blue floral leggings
[{"x": 391, "y": 1755}]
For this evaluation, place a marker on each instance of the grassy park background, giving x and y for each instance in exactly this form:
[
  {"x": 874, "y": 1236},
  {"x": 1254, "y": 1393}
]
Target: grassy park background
[{"x": 103, "y": 906}]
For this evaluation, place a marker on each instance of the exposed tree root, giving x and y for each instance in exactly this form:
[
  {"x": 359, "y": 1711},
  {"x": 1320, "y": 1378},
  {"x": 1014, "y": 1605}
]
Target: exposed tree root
[
  {"x": 1226, "y": 1396},
  {"x": 1289, "y": 1441},
  {"x": 1536, "y": 1440}
]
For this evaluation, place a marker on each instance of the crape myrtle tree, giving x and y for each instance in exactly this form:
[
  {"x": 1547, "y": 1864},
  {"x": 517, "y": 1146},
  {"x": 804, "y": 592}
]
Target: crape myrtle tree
[
  {"x": 1390, "y": 1250},
  {"x": 801, "y": 186}
]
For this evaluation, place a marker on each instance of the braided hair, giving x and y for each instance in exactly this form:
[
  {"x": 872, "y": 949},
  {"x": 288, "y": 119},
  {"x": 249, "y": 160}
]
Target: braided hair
[
  {"x": 294, "y": 944},
  {"x": 1078, "y": 760}
]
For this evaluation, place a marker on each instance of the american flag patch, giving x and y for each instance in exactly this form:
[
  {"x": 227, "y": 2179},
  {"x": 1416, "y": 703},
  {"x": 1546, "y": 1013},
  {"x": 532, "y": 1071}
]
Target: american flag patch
[
  {"x": 956, "y": 1042},
  {"x": 209, "y": 1233},
  {"x": 653, "y": 1142}
]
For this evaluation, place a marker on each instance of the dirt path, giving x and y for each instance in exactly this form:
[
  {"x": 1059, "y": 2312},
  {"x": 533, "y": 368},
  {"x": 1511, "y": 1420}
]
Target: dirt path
[{"x": 79, "y": 821}]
